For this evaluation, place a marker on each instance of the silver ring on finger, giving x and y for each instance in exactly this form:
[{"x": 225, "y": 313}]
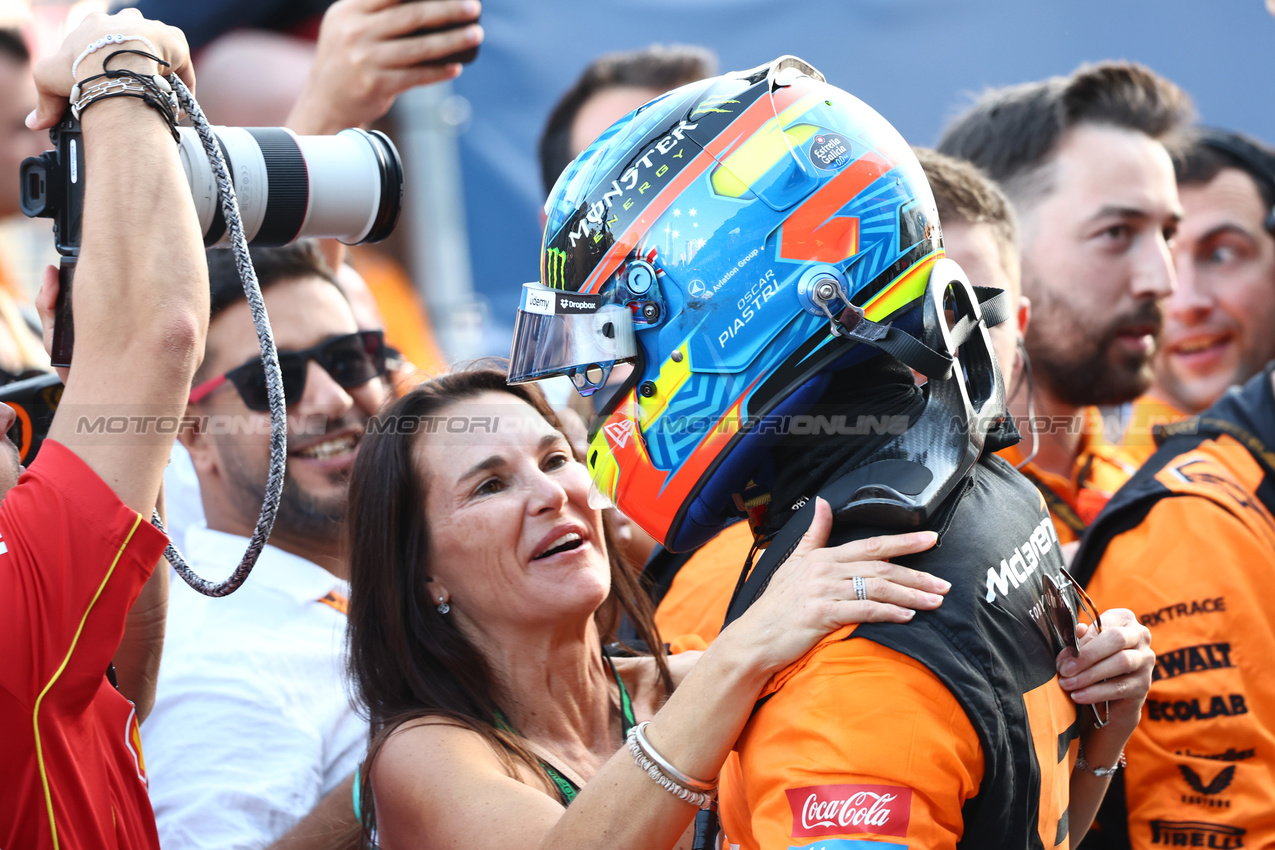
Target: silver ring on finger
[{"x": 860, "y": 588}]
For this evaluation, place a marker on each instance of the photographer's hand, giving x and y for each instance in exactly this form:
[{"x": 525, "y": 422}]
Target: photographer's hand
[
  {"x": 52, "y": 74},
  {"x": 367, "y": 56},
  {"x": 45, "y": 302}
]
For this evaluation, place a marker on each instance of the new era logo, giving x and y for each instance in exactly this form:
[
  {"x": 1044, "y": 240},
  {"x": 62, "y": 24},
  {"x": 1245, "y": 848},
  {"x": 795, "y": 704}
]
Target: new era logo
[{"x": 619, "y": 432}]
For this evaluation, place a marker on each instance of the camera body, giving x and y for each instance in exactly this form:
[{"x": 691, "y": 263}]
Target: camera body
[
  {"x": 348, "y": 187},
  {"x": 53, "y": 185}
]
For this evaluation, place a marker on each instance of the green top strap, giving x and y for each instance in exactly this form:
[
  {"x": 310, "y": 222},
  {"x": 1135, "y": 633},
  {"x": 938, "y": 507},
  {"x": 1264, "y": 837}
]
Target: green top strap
[{"x": 567, "y": 790}]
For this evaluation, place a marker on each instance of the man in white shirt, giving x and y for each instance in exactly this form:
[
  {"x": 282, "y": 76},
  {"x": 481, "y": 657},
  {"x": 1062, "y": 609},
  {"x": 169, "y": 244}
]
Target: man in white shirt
[{"x": 252, "y": 727}]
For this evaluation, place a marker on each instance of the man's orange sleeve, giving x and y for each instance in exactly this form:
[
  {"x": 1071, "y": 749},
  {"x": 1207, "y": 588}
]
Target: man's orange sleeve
[
  {"x": 860, "y": 743},
  {"x": 696, "y": 601},
  {"x": 1199, "y": 764}
]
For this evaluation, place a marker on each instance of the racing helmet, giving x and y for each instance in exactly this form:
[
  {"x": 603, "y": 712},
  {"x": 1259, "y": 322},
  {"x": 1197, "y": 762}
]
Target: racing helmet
[{"x": 738, "y": 240}]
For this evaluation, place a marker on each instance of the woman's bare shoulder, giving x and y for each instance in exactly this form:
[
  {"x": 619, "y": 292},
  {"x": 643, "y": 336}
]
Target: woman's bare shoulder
[
  {"x": 439, "y": 742},
  {"x": 434, "y": 778}
]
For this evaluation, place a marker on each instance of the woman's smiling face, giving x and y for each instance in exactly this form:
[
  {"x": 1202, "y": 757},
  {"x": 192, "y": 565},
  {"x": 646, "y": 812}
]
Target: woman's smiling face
[{"x": 512, "y": 537}]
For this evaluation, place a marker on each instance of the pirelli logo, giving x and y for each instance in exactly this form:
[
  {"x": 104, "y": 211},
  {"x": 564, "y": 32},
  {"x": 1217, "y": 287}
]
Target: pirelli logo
[{"x": 1193, "y": 833}]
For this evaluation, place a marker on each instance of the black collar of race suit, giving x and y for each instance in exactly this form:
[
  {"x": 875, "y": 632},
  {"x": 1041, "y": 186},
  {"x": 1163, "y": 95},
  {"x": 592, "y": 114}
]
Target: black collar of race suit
[{"x": 902, "y": 483}]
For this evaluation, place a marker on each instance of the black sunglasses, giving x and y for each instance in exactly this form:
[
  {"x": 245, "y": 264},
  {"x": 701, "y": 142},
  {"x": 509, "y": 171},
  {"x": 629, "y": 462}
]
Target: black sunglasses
[{"x": 352, "y": 360}]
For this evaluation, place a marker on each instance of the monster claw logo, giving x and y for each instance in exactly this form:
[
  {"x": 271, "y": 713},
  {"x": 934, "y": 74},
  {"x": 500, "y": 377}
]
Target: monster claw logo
[
  {"x": 714, "y": 104},
  {"x": 555, "y": 275}
]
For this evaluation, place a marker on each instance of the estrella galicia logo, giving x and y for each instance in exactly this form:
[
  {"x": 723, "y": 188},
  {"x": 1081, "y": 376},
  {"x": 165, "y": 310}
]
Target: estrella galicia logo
[
  {"x": 1194, "y": 833},
  {"x": 1219, "y": 784},
  {"x": 829, "y": 151},
  {"x": 700, "y": 289}
]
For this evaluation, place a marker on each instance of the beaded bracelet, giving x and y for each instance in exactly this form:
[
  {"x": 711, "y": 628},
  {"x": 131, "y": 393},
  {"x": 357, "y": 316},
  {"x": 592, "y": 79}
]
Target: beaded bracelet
[
  {"x": 152, "y": 89},
  {"x": 103, "y": 42},
  {"x": 699, "y": 799}
]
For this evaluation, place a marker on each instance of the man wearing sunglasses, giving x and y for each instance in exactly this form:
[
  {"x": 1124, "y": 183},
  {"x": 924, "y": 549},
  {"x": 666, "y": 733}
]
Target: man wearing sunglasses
[{"x": 252, "y": 727}]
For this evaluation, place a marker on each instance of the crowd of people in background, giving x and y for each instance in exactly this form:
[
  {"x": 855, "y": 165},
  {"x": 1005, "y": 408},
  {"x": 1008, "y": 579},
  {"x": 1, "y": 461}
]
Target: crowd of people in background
[{"x": 447, "y": 641}]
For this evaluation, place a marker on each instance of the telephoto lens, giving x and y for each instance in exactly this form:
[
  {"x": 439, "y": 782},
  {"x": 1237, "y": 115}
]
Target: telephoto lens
[{"x": 347, "y": 187}]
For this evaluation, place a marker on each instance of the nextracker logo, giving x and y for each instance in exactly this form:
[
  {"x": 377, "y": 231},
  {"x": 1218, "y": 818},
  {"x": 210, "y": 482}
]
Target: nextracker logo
[{"x": 820, "y": 810}]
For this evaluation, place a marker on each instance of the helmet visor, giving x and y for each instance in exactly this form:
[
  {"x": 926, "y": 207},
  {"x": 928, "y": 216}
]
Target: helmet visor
[{"x": 565, "y": 333}]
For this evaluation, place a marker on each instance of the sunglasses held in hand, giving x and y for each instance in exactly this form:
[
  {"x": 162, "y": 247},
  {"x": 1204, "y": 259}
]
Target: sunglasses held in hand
[
  {"x": 352, "y": 360},
  {"x": 1064, "y": 623}
]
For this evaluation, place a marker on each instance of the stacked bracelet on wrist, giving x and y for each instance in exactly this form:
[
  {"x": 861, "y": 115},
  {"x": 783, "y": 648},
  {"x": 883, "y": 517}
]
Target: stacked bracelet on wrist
[
  {"x": 687, "y": 789},
  {"x": 151, "y": 89},
  {"x": 1083, "y": 764}
]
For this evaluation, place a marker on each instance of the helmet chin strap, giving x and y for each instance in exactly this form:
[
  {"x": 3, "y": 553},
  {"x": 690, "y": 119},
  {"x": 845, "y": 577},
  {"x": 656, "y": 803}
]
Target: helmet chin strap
[{"x": 851, "y": 323}]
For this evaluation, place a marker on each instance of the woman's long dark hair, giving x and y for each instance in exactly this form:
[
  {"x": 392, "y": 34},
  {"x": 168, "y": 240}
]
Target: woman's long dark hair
[{"x": 407, "y": 661}]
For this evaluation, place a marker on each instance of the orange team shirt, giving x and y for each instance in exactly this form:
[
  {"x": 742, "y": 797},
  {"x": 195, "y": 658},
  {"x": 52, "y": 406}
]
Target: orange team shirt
[
  {"x": 1145, "y": 413},
  {"x": 1197, "y": 571},
  {"x": 696, "y": 601},
  {"x": 826, "y": 762},
  {"x": 1100, "y": 470}
]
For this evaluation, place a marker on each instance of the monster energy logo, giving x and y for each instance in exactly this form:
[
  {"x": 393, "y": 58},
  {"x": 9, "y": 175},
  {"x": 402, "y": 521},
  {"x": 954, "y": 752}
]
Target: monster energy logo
[
  {"x": 714, "y": 104},
  {"x": 556, "y": 268}
]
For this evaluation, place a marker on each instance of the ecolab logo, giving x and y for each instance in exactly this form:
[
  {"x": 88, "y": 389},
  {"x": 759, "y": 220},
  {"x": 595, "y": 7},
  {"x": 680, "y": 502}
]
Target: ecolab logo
[
  {"x": 619, "y": 432},
  {"x": 849, "y": 809}
]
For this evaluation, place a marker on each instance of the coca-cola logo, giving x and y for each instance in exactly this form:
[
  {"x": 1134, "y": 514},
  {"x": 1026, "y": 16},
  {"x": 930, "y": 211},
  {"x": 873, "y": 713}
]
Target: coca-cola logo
[{"x": 850, "y": 809}]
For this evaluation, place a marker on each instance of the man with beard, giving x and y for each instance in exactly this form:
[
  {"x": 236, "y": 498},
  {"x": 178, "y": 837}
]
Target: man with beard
[
  {"x": 1082, "y": 158},
  {"x": 252, "y": 727},
  {"x": 1220, "y": 322}
]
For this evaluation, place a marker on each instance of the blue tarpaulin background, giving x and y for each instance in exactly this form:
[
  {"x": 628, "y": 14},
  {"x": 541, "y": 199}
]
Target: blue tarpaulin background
[{"x": 916, "y": 61}]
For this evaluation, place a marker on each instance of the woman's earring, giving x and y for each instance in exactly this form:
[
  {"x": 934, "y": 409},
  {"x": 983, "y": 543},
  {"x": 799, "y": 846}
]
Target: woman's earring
[{"x": 443, "y": 607}]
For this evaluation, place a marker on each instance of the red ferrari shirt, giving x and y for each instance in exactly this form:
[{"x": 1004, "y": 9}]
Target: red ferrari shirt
[{"x": 73, "y": 559}]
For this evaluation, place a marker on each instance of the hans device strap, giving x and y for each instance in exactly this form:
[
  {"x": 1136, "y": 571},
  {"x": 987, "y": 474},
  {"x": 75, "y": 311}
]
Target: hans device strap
[{"x": 785, "y": 542}]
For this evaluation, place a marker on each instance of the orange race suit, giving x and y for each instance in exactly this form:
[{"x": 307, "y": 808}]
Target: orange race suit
[
  {"x": 948, "y": 731},
  {"x": 1189, "y": 545},
  {"x": 692, "y": 590},
  {"x": 1099, "y": 471}
]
